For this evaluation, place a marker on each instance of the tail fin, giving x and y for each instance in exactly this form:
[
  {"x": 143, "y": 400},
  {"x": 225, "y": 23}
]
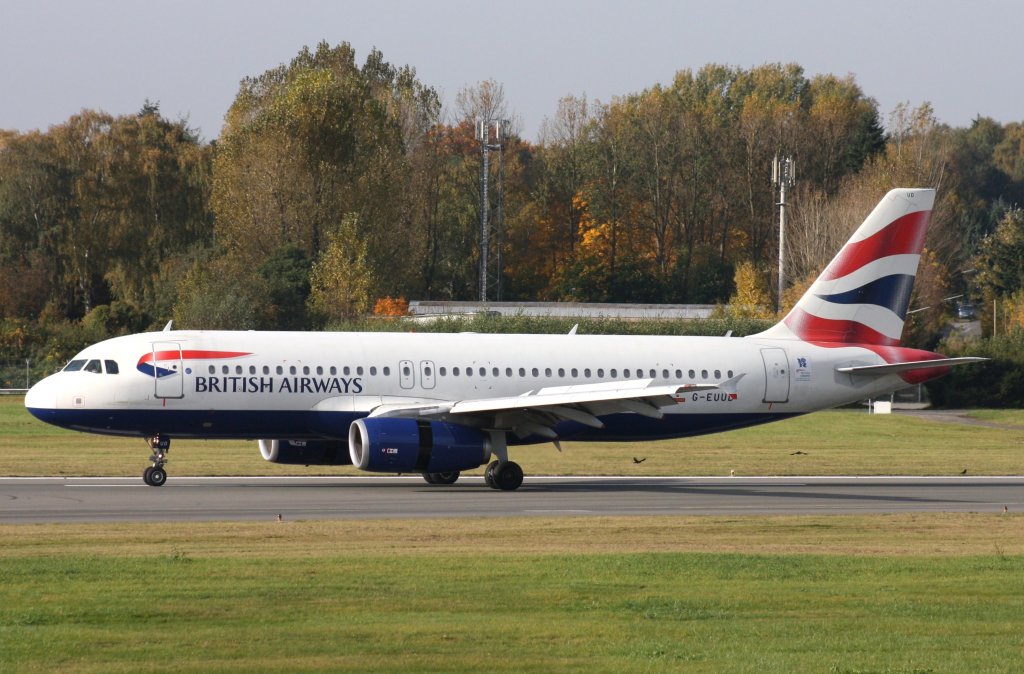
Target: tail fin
[{"x": 863, "y": 294}]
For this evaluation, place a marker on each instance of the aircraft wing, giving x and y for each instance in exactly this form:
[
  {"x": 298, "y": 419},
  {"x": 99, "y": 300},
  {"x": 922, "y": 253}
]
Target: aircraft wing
[
  {"x": 537, "y": 412},
  {"x": 892, "y": 368}
]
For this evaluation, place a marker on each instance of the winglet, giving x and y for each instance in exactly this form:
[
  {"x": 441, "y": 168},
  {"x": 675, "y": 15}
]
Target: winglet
[{"x": 169, "y": 326}]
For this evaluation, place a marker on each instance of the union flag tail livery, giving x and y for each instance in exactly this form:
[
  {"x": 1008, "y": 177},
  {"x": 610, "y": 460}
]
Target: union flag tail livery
[
  {"x": 863, "y": 295},
  {"x": 438, "y": 404}
]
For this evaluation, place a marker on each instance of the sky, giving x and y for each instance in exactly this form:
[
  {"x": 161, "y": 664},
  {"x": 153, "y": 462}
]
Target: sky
[{"x": 56, "y": 58}]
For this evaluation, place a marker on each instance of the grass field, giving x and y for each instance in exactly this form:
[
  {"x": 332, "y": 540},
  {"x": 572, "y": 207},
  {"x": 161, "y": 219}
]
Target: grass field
[
  {"x": 842, "y": 442},
  {"x": 909, "y": 593},
  {"x": 902, "y": 593}
]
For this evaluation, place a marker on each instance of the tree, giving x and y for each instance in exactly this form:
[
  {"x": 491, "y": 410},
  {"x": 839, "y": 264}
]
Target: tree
[{"x": 342, "y": 283}]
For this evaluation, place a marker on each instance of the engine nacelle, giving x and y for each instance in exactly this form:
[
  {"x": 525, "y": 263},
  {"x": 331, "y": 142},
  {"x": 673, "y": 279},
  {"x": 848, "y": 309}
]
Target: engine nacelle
[
  {"x": 391, "y": 445},
  {"x": 306, "y": 452}
]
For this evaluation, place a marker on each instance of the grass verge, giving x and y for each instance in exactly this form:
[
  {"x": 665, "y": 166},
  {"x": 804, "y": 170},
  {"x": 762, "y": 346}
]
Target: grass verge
[{"x": 900, "y": 593}]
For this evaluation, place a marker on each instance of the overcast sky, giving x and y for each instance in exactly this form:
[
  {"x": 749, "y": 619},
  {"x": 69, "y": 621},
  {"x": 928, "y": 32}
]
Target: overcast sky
[{"x": 966, "y": 58}]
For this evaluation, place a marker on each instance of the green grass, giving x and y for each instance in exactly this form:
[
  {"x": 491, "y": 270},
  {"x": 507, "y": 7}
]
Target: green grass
[
  {"x": 841, "y": 442},
  {"x": 1008, "y": 417},
  {"x": 783, "y": 594}
]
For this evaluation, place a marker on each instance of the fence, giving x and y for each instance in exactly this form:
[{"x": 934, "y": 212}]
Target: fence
[{"x": 16, "y": 376}]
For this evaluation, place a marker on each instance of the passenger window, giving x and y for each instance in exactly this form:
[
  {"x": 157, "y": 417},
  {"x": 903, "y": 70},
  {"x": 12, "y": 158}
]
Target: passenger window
[
  {"x": 508, "y": 372},
  {"x": 266, "y": 369},
  {"x": 319, "y": 369},
  {"x": 111, "y": 366},
  {"x": 495, "y": 372},
  {"x": 347, "y": 370},
  {"x": 575, "y": 373},
  {"x": 600, "y": 373},
  {"x": 238, "y": 369},
  {"x": 655, "y": 374},
  {"x": 535, "y": 372},
  {"x": 359, "y": 370},
  {"x": 679, "y": 374},
  {"x": 613, "y": 372},
  {"x": 729, "y": 373},
  {"x": 213, "y": 369},
  {"x": 373, "y": 371},
  {"x": 305, "y": 369},
  {"x": 225, "y": 369},
  {"x": 387, "y": 371},
  {"x": 703, "y": 374},
  {"x": 74, "y": 366},
  {"x": 561, "y": 372},
  {"x": 586, "y": 373},
  {"x": 693, "y": 375},
  {"x": 333, "y": 371},
  {"x": 252, "y": 369},
  {"x": 280, "y": 370},
  {"x": 406, "y": 371},
  {"x": 625, "y": 374},
  {"x": 455, "y": 372},
  {"x": 664, "y": 374},
  {"x": 442, "y": 371},
  {"x": 291, "y": 369},
  {"x": 469, "y": 372},
  {"x": 94, "y": 366},
  {"x": 522, "y": 372},
  {"x": 483, "y": 372},
  {"x": 547, "y": 372},
  {"x": 718, "y": 374}
]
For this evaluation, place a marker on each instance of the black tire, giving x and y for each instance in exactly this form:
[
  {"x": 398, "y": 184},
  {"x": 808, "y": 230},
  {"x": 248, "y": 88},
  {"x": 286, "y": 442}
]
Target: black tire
[
  {"x": 508, "y": 477},
  {"x": 428, "y": 478},
  {"x": 146, "y": 475},
  {"x": 447, "y": 477},
  {"x": 489, "y": 474},
  {"x": 157, "y": 477}
]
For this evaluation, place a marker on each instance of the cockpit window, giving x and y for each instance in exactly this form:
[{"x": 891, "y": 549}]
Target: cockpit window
[
  {"x": 111, "y": 366},
  {"x": 74, "y": 366},
  {"x": 94, "y": 366}
]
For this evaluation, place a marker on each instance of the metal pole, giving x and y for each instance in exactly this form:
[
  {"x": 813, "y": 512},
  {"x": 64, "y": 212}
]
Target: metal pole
[
  {"x": 484, "y": 207},
  {"x": 782, "y": 241}
]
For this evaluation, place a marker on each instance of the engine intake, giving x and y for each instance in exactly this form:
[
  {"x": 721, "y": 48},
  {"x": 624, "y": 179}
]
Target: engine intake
[
  {"x": 305, "y": 452},
  {"x": 390, "y": 445}
]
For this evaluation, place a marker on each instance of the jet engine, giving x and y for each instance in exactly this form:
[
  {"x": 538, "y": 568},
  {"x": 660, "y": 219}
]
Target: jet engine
[
  {"x": 306, "y": 452},
  {"x": 394, "y": 445}
]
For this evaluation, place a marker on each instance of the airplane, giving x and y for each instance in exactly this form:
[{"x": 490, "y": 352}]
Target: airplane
[{"x": 439, "y": 404}]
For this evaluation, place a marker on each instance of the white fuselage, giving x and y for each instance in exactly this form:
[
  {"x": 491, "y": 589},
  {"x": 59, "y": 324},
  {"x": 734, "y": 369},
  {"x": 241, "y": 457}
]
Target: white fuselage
[{"x": 309, "y": 384}]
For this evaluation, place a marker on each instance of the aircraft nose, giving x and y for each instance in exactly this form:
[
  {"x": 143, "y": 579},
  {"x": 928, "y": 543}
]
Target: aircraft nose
[{"x": 41, "y": 400}]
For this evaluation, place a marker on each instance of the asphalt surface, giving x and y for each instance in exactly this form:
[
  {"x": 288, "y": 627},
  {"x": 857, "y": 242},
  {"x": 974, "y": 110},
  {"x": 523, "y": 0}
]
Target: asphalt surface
[{"x": 28, "y": 500}]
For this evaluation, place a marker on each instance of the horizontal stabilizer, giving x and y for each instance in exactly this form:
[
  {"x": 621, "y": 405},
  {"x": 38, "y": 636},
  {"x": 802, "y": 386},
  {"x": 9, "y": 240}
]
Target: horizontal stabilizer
[{"x": 893, "y": 368}]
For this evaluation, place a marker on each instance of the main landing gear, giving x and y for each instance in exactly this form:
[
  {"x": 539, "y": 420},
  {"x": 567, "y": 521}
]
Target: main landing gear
[
  {"x": 448, "y": 477},
  {"x": 507, "y": 476},
  {"x": 155, "y": 475}
]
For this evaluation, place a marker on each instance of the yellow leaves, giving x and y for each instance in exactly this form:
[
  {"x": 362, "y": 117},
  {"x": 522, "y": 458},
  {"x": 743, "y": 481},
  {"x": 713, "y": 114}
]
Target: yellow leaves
[{"x": 752, "y": 299}]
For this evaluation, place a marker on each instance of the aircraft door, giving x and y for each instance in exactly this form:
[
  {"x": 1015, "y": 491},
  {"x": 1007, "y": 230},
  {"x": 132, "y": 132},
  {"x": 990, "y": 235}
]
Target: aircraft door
[
  {"x": 168, "y": 370},
  {"x": 776, "y": 375},
  {"x": 427, "y": 373},
  {"x": 406, "y": 376}
]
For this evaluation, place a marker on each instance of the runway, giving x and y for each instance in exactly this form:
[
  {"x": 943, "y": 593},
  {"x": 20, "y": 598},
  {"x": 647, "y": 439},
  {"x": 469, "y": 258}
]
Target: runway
[{"x": 34, "y": 500}]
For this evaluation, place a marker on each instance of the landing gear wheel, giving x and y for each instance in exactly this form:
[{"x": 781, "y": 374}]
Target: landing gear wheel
[
  {"x": 489, "y": 474},
  {"x": 447, "y": 477},
  {"x": 507, "y": 476},
  {"x": 154, "y": 476}
]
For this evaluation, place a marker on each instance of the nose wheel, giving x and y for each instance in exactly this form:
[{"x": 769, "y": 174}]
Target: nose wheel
[{"x": 156, "y": 475}]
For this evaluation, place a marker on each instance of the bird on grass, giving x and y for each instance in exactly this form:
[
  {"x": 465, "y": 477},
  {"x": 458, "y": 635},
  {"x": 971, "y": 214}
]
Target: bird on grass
[
  {"x": 963, "y": 472},
  {"x": 636, "y": 460},
  {"x": 798, "y": 453}
]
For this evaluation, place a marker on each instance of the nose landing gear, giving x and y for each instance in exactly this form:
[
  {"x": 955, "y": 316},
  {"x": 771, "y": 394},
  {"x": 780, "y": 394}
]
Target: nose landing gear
[{"x": 155, "y": 475}]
